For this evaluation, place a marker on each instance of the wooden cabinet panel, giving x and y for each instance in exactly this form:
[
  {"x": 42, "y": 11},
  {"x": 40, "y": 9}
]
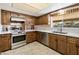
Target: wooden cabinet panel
[
  {"x": 5, "y": 17},
  {"x": 30, "y": 37},
  {"x": 72, "y": 12},
  {"x": 61, "y": 44},
  {"x": 69, "y": 13},
  {"x": 42, "y": 20},
  {"x": 58, "y": 17},
  {"x": 78, "y": 46},
  {"x": 72, "y": 46},
  {"x": 38, "y": 37},
  {"x": 52, "y": 41},
  {"x": 5, "y": 42}
]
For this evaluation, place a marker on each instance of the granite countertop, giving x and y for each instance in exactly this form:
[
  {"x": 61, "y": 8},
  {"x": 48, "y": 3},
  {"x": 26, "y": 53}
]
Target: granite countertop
[
  {"x": 48, "y": 31},
  {"x": 30, "y": 30},
  {"x": 66, "y": 34},
  {"x": 5, "y": 32}
]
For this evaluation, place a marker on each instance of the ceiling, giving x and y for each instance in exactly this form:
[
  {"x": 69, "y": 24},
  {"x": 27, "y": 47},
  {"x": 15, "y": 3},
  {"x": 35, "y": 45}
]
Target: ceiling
[
  {"x": 31, "y": 7},
  {"x": 34, "y": 9}
]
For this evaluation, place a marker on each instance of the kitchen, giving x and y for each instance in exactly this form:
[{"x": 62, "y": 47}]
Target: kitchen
[{"x": 57, "y": 30}]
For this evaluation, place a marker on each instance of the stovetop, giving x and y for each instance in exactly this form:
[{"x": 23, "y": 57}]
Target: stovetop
[{"x": 18, "y": 33}]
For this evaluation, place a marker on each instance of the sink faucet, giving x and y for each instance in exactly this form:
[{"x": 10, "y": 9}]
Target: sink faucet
[{"x": 61, "y": 27}]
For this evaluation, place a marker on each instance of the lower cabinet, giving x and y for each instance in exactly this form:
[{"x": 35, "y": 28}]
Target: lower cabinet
[
  {"x": 38, "y": 36},
  {"x": 52, "y": 41},
  {"x": 61, "y": 44},
  {"x": 30, "y": 37},
  {"x": 64, "y": 44},
  {"x": 78, "y": 46},
  {"x": 5, "y": 42},
  {"x": 72, "y": 46}
]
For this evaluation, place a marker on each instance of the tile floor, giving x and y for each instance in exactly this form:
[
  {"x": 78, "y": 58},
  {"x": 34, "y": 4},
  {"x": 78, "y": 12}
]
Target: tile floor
[{"x": 34, "y": 48}]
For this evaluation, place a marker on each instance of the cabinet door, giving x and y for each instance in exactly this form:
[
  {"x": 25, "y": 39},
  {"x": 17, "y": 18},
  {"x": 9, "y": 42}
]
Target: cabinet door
[
  {"x": 52, "y": 41},
  {"x": 61, "y": 44},
  {"x": 72, "y": 46},
  {"x": 5, "y": 17},
  {"x": 72, "y": 12},
  {"x": 5, "y": 42},
  {"x": 43, "y": 20},
  {"x": 78, "y": 46},
  {"x": 39, "y": 37},
  {"x": 30, "y": 37}
]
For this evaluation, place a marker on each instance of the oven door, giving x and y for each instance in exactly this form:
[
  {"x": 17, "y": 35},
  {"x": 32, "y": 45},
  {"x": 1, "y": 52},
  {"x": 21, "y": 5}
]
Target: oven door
[
  {"x": 18, "y": 41},
  {"x": 18, "y": 38}
]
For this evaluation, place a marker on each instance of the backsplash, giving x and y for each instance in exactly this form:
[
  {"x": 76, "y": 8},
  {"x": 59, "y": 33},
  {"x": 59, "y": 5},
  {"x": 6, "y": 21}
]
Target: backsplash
[
  {"x": 42, "y": 27},
  {"x": 71, "y": 30},
  {"x": 4, "y": 28},
  {"x": 0, "y": 28},
  {"x": 65, "y": 29}
]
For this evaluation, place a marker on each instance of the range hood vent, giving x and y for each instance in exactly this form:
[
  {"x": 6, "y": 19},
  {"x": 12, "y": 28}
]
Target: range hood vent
[{"x": 17, "y": 19}]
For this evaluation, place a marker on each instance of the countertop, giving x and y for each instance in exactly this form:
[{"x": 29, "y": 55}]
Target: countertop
[
  {"x": 48, "y": 31},
  {"x": 66, "y": 34},
  {"x": 5, "y": 32}
]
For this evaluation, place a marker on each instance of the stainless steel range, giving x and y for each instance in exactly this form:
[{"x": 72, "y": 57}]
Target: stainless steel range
[
  {"x": 18, "y": 37},
  {"x": 18, "y": 34}
]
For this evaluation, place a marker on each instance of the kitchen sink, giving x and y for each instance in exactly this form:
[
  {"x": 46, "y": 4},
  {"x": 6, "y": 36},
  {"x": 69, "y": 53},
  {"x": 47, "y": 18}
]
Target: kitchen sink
[{"x": 60, "y": 32}]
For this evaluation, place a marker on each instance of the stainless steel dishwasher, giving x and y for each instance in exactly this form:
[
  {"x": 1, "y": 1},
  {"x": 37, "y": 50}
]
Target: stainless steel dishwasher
[{"x": 44, "y": 38}]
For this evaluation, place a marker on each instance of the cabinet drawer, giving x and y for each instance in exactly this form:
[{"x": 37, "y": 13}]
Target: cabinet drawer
[
  {"x": 72, "y": 40},
  {"x": 5, "y": 35}
]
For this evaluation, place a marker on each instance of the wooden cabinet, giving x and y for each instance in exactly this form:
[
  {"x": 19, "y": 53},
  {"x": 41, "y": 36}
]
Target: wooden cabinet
[
  {"x": 64, "y": 44},
  {"x": 52, "y": 41},
  {"x": 61, "y": 44},
  {"x": 71, "y": 13},
  {"x": 38, "y": 36},
  {"x": 5, "y": 17},
  {"x": 71, "y": 46},
  {"x": 56, "y": 16},
  {"x": 78, "y": 46},
  {"x": 5, "y": 42},
  {"x": 68, "y": 13},
  {"x": 30, "y": 37},
  {"x": 42, "y": 20}
]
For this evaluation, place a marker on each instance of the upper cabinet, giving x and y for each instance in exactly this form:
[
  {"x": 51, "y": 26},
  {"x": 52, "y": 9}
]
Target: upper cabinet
[
  {"x": 71, "y": 13},
  {"x": 42, "y": 20},
  {"x": 5, "y": 17},
  {"x": 56, "y": 16},
  {"x": 67, "y": 13}
]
